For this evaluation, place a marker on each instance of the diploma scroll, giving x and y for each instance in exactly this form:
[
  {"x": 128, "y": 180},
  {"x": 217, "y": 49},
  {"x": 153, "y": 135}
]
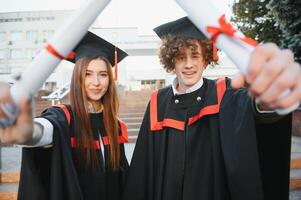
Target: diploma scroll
[
  {"x": 238, "y": 48},
  {"x": 62, "y": 43}
]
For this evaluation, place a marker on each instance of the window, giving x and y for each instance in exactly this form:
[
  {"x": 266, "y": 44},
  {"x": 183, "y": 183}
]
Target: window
[
  {"x": 2, "y": 54},
  {"x": 32, "y": 35},
  {"x": 4, "y": 69},
  {"x": 31, "y": 53},
  {"x": 51, "y": 86},
  {"x": 47, "y": 34},
  {"x": 16, "y": 54},
  {"x": 16, "y": 35},
  {"x": 2, "y": 36},
  {"x": 152, "y": 84},
  {"x": 11, "y": 20}
]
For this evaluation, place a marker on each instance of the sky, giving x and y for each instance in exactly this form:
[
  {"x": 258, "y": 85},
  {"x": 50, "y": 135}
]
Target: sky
[{"x": 144, "y": 14}]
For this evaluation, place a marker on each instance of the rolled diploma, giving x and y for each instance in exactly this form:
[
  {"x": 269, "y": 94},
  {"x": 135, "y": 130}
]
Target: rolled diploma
[
  {"x": 64, "y": 40},
  {"x": 203, "y": 13}
]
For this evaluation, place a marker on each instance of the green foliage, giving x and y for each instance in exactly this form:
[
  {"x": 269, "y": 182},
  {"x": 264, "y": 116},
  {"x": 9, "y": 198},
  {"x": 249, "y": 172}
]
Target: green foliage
[
  {"x": 288, "y": 14},
  {"x": 252, "y": 17},
  {"x": 277, "y": 21}
]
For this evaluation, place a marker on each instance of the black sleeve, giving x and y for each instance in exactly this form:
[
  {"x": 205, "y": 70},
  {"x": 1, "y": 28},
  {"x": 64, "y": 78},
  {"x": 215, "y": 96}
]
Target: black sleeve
[
  {"x": 49, "y": 173},
  {"x": 241, "y": 96}
]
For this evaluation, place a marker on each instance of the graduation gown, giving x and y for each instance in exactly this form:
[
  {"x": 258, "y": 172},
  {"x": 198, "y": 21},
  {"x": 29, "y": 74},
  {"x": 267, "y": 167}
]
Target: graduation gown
[
  {"x": 51, "y": 173},
  {"x": 209, "y": 144}
]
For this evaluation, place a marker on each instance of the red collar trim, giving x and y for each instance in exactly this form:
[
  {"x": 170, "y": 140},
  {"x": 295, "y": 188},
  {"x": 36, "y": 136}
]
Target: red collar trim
[
  {"x": 212, "y": 109},
  {"x": 156, "y": 125},
  {"x": 74, "y": 145},
  {"x": 123, "y": 138}
]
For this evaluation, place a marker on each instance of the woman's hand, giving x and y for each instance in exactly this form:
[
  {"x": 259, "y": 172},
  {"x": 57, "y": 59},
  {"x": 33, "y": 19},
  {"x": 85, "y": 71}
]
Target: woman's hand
[{"x": 21, "y": 130}]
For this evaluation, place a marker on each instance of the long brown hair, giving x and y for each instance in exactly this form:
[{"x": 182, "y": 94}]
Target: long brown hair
[{"x": 86, "y": 151}]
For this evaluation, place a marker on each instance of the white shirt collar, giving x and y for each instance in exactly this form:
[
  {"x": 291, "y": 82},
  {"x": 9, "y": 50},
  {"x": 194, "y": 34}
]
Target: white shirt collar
[{"x": 195, "y": 87}]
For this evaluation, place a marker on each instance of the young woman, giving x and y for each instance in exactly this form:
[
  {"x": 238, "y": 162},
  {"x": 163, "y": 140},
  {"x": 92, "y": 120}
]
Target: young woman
[{"x": 78, "y": 148}]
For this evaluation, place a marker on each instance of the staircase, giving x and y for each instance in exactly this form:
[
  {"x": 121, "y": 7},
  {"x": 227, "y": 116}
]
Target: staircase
[{"x": 132, "y": 108}]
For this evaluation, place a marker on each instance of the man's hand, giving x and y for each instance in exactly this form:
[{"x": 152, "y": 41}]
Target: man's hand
[{"x": 271, "y": 72}]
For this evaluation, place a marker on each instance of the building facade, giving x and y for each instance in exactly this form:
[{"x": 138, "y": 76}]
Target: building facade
[{"x": 23, "y": 34}]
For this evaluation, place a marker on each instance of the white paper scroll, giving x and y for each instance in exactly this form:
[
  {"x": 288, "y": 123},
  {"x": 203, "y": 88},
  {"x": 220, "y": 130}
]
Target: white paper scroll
[
  {"x": 63, "y": 41},
  {"x": 203, "y": 13}
]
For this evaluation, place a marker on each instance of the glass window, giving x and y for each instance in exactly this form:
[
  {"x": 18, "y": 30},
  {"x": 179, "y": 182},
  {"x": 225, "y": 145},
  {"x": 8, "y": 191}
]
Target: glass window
[
  {"x": 32, "y": 35},
  {"x": 2, "y": 36},
  {"x": 31, "y": 53},
  {"x": 51, "y": 86},
  {"x": 16, "y": 54},
  {"x": 2, "y": 54},
  {"x": 47, "y": 34},
  {"x": 16, "y": 35},
  {"x": 4, "y": 69}
]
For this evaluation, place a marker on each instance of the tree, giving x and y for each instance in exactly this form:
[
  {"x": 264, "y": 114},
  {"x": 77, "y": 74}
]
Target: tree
[
  {"x": 253, "y": 18},
  {"x": 288, "y": 16}
]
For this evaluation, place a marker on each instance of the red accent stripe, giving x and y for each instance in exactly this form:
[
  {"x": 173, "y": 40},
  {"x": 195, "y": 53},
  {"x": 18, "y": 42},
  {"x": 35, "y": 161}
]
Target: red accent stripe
[
  {"x": 54, "y": 52},
  {"x": 71, "y": 55},
  {"x": 72, "y": 142},
  {"x": 212, "y": 109},
  {"x": 66, "y": 111},
  {"x": 105, "y": 140},
  {"x": 116, "y": 64},
  {"x": 227, "y": 29},
  {"x": 123, "y": 138},
  {"x": 172, "y": 123},
  {"x": 96, "y": 144},
  {"x": 154, "y": 124},
  {"x": 74, "y": 145}
]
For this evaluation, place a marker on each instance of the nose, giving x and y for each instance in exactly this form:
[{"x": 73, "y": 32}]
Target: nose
[
  {"x": 96, "y": 80},
  {"x": 189, "y": 63}
]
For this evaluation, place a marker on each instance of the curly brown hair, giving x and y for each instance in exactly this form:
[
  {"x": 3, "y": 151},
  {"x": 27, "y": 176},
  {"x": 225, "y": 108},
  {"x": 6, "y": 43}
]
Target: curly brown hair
[{"x": 172, "y": 47}]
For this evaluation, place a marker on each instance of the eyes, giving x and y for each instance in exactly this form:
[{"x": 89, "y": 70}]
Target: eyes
[
  {"x": 183, "y": 57},
  {"x": 99, "y": 74}
]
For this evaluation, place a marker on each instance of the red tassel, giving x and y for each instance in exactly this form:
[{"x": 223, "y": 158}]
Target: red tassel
[
  {"x": 116, "y": 65},
  {"x": 71, "y": 55},
  {"x": 214, "y": 51}
]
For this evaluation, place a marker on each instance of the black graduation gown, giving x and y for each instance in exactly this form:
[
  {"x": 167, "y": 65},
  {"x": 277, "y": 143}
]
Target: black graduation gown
[
  {"x": 50, "y": 173},
  {"x": 203, "y": 145}
]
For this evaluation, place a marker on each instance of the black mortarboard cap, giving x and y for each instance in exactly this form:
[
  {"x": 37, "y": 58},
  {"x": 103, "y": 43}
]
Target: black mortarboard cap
[
  {"x": 93, "y": 46},
  {"x": 182, "y": 27}
]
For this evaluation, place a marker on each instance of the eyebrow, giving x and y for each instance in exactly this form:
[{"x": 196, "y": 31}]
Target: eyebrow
[{"x": 98, "y": 72}]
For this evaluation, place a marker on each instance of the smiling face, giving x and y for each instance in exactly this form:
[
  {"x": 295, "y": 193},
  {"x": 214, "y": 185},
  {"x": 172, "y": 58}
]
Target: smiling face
[
  {"x": 96, "y": 80},
  {"x": 189, "y": 66}
]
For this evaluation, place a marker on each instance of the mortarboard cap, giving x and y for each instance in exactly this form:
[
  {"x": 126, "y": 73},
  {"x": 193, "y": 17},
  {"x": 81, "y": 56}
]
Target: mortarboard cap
[
  {"x": 182, "y": 27},
  {"x": 92, "y": 46}
]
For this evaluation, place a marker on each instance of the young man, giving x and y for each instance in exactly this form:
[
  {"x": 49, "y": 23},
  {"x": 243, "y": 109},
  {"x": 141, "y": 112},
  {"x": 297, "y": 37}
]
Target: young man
[{"x": 203, "y": 139}]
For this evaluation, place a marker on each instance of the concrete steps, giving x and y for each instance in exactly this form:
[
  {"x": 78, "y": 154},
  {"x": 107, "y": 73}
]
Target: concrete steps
[{"x": 8, "y": 191}]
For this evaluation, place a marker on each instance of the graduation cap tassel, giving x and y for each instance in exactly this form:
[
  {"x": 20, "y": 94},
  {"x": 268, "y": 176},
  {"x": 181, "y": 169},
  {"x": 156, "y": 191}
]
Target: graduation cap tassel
[
  {"x": 116, "y": 64},
  {"x": 214, "y": 52}
]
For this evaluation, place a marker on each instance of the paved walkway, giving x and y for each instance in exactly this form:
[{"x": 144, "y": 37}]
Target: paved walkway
[
  {"x": 11, "y": 161},
  {"x": 11, "y": 157}
]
